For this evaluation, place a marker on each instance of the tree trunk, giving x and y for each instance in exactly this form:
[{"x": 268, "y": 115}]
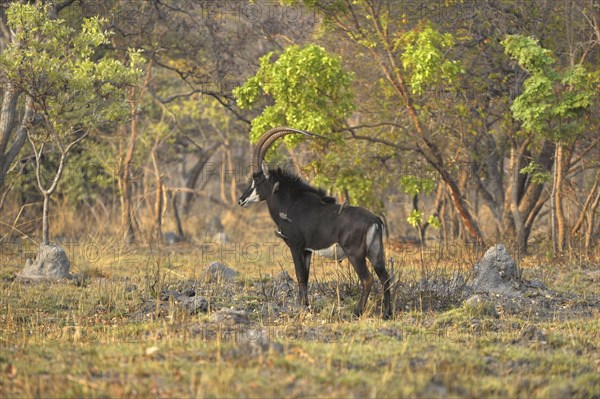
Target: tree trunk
[
  {"x": 127, "y": 217},
  {"x": 444, "y": 227},
  {"x": 590, "y": 227},
  {"x": 191, "y": 179},
  {"x": 8, "y": 154},
  {"x": 3, "y": 197},
  {"x": 176, "y": 216},
  {"x": 462, "y": 210},
  {"x": 558, "y": 198},
  {"x": 126, "y": 214},
  {"x": 439, "y": 201},
  {"x": 529, "y": 194},
  {"x": 515, "y": 156},
  {"x": 532, "y": 192},
  {"x": 232, "y": 172},
  {"x": 158, "y": 202},
  {"x": 223, "y": 177},
  {"x": 47, "y": 191},
  {"x": 586, "y": 205},
  {"x": 45, "y": 211},
  {"x": 393, "y": 72},
  {"x": 7, "y": 115},
  {"x": 534, "y": 214},
  {"x": 158, "y": 208},
  {"x": 422, "y": 228},
  {"x": 508, "y": 222}
]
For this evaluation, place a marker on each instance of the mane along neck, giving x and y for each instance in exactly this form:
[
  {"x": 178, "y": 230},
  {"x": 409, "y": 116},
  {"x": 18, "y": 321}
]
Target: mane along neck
[{"x": 293, "y": 183}]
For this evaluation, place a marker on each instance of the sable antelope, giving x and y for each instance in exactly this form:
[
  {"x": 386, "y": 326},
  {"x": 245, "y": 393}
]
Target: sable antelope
[{"x": 309, "y": 221}]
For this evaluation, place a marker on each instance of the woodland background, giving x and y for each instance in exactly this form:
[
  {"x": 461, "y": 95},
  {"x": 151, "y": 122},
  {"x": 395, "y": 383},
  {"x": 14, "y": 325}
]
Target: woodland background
[{"x": 455, "y": 120}]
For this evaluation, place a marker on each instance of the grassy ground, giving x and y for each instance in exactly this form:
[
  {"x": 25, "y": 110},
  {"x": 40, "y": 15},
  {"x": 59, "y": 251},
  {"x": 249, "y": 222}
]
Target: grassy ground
[{"x": 113, "y": 331}]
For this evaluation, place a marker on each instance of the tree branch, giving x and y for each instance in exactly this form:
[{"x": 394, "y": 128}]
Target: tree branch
[{"x": 352, "y": 130}]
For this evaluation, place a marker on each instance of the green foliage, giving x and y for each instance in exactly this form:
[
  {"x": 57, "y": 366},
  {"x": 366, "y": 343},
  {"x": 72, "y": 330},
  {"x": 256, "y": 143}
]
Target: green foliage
[
  {"x": 434, "y": 221},
  {"x": 341, "y": 169},
  {"x": 553, "y": 100},
  {"x": 536, "y": 172},
  {"x": 424, "y": 58},
  {"x": 307, "y": 88},
  {"x": 74, "y": 87},
  {"x": 415, "y": 218},
  {"x": 61, "y": 71},
  {"x": 529, "y": 54},
  {"x": 413, "y": 185}
]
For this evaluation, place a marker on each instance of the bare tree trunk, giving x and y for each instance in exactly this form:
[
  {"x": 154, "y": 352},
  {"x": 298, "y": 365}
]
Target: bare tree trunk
[
  {"x": 439, "y": 201},
  {"x": 126, "y": 214},
  {"x": 533, "y": 214},
  {"x": 45, "y": 212},
  {"x": 223, "y": 177},
  {"x": 558, "y": 199},
  {"x": 421, "y": 229},
  {"x": 233, "y": 183},
  {"x": 158, "y": 202},
  {"x": 553, "y": 214},
  {"x": 514, "y": 199},
  {"x": 7, "y": 114},
  {"x": 444, "y": 228},
  {"x": 3, "y": 197},
  {"x": 178, "y": 225},
  {"x": 49, "y": 190},
  {"x": 530, "y": 196},
  {"x": 127, "y": 217},
  {"x": 463, "y": 212},
  {"x": 191, "y": 179},
  {"x": 586, "y": 205},
  {"x": 590, "y": 226},
  {"x": 508, "y": 222},
  {"x": 158, "y": 208}
]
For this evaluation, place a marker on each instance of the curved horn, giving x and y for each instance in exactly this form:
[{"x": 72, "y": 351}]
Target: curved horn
[{"x": 268, "y": 139}]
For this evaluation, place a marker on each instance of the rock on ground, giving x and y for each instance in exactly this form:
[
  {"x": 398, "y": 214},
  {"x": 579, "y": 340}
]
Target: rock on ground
[
  {"x": 186, "y": 300},
  {"x": 474, "y": 300},
  {"x": 217, "y": 270},
  {"x": 496, "y": 273},
  {"x": 195, "y": 305},
  {"x": 231, "y": 317},
  {"x": 50, "y": 262}
]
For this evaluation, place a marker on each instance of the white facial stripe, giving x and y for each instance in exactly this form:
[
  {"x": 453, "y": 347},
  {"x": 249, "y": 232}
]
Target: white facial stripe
[{"x": 253, "y": 197}]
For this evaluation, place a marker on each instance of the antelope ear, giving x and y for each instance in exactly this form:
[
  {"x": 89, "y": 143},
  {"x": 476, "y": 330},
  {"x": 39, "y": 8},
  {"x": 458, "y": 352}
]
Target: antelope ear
[{"x": 265, "y": 169}]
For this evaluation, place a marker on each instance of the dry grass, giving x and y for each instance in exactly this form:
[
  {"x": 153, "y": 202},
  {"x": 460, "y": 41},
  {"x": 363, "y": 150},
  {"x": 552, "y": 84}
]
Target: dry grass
[{"x": 111, "y": 333}]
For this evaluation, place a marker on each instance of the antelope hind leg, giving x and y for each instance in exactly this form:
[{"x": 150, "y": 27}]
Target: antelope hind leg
[{"x": 366, "y": 280}]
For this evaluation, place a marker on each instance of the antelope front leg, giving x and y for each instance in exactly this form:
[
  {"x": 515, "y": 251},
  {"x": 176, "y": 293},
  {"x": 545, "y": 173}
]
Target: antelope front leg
[{"x": 302, "y": 271}]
